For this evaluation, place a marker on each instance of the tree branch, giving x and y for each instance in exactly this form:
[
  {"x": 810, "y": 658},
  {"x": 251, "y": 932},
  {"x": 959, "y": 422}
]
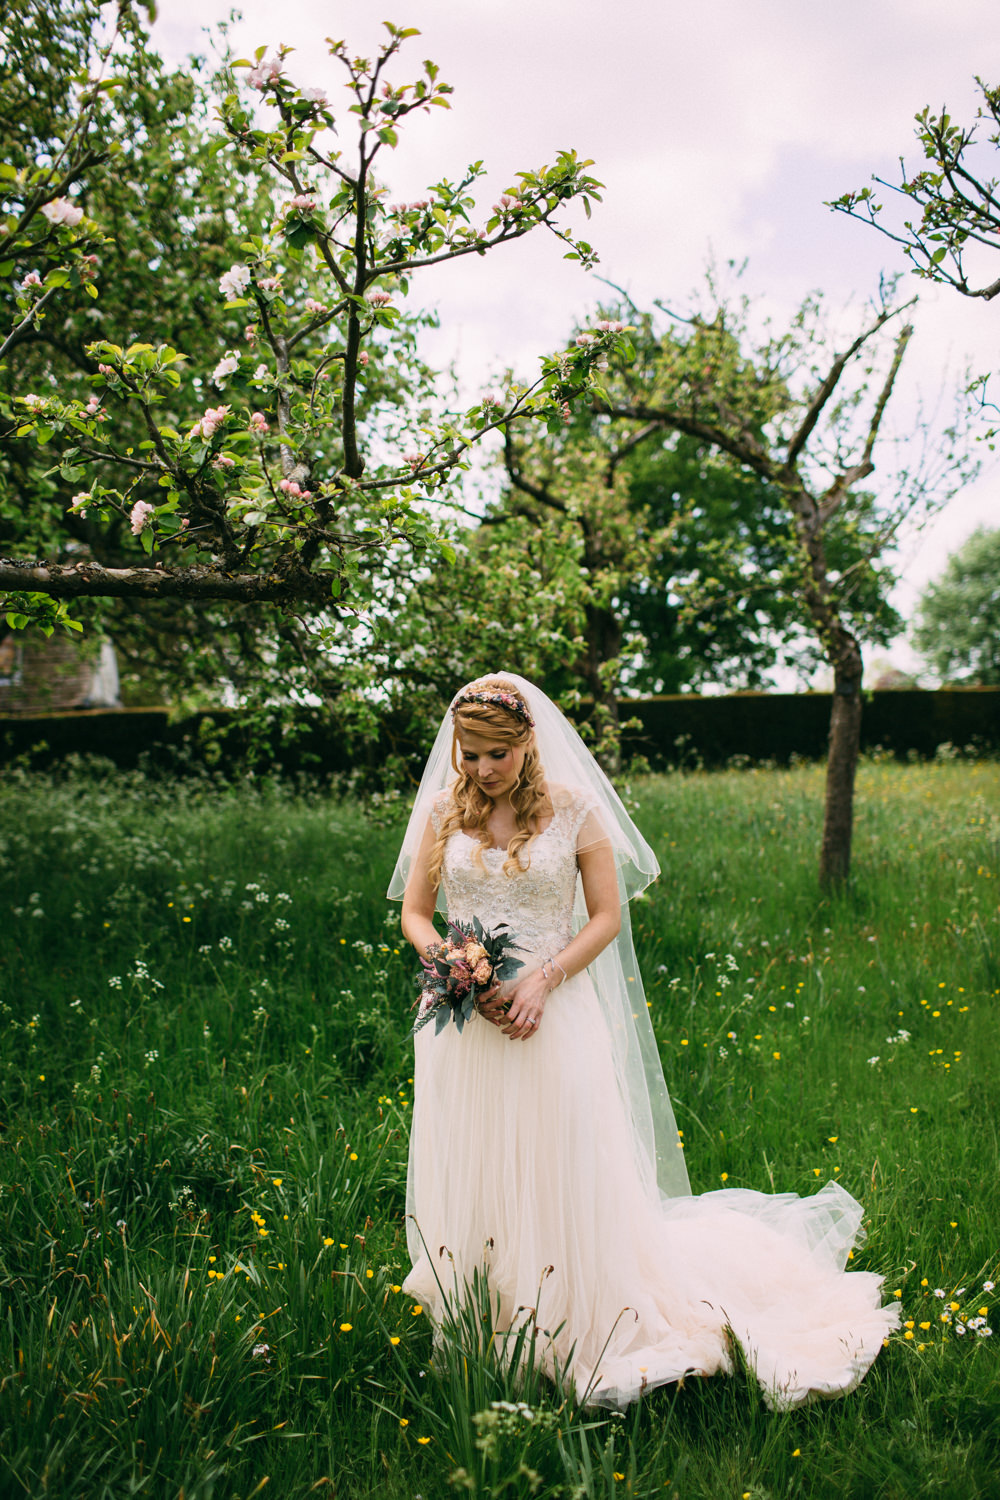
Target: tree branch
[
  {"x": 91, "y": 580},
  {"x": 828, "y": 386}
]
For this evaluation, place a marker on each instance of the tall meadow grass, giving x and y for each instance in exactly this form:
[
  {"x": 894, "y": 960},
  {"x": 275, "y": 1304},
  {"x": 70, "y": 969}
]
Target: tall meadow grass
[{"x": 205, "y": 1089}]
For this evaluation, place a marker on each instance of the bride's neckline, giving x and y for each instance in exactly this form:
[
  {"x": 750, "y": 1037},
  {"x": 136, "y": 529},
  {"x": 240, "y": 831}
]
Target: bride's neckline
[{"x": 502, "y": 848}]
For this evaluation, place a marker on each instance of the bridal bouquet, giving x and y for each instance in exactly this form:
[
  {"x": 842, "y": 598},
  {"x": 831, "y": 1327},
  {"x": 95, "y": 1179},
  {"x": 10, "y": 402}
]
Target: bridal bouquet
[{"x": 470, "y": 960}]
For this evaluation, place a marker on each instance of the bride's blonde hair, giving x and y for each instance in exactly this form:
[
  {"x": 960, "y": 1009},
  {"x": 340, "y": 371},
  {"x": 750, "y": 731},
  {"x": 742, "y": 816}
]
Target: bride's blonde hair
[{"x": 469, "y": 807}]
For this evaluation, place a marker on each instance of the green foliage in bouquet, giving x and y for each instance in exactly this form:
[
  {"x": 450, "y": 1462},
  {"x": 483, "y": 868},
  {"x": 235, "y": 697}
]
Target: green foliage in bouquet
[{"x": 470, "y": 961}]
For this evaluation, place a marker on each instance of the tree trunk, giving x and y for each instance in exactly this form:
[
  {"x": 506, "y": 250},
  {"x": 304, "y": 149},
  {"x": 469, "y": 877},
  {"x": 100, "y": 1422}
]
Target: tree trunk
[{"x": 841, "y": 765}]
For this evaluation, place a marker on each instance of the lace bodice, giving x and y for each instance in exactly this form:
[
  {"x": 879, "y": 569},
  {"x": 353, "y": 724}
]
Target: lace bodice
[{"x": 537, "y": 904}]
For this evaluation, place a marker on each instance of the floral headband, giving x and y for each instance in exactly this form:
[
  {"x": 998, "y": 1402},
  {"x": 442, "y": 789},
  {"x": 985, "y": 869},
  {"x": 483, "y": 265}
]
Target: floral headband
[{"x": 497, "y": 697}]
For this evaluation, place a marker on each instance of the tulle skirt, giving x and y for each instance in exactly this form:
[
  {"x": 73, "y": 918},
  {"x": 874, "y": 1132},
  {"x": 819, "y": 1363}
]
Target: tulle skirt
[{"x": 521, "y": 1163}]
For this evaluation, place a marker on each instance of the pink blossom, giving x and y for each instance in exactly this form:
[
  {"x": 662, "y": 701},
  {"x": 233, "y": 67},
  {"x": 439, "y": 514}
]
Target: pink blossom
[
  {"x": 490, "y": 398},
  {"x": 268, "y": 71},
  {"x": 34, "y": 402},
  {"x": 609, "y": 325},
  {"x": 269, "y": 283},
  {"x": 261, "y": 372},
  {"x": 415, "y": 460},
  {"x": 583, "y": 339},
  {"x": 419, "y": 203},
  {"x": 141, "y": 516},
  {"x": 314, "y": 307},
  {"x": 206, "y": 425},
  {"x": 379, "y": 299},
  {"x": 62, "y": 211},
  {"x": 482, "y": 973},
  {"x": 507, "y": 205},
  {"x": 567, "y": 414},
  {"x": 250, "y": 333},
  {"x": 291, "y": 488},
  {"x": 223, "y": 461},
  {"x": 234, "y": 282},
  {"x": 227, "y": 366},
  {"x": 32, "y": 279},
  {"x": 258, "y": 421},
  {"x": 303, "y": 203},
  {"x": 105, "y": 369},
  {"x": 80, "y": 502},
  {"x": 363, "y": 358}
]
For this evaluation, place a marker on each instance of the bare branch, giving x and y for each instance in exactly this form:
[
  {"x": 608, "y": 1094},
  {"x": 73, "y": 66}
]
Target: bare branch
[{"x": 826, "y": 390}]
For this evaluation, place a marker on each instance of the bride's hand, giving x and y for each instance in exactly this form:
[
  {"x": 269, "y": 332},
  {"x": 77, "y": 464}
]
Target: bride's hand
[
  {"x": 527, "y": 1002},
  {"x": 491, "y": 1003}
]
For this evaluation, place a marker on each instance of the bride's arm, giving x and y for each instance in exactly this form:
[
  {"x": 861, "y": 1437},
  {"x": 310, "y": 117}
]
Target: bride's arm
[
  {"x": 420, "y": 899},
  {"x": 600, "y": 890}
]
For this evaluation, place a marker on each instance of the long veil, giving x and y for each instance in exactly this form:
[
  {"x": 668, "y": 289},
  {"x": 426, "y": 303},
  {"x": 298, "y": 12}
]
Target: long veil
[{"x": 615, "y": 972}]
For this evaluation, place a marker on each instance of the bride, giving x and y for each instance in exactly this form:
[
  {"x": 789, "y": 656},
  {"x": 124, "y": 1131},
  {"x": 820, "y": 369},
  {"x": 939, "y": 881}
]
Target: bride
[{"x": 543, "y": 1146}]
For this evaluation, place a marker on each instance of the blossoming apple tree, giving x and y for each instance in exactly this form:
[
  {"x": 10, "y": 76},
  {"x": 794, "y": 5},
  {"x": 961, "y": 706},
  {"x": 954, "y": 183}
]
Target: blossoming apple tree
[{"x": 283, "y": 470}]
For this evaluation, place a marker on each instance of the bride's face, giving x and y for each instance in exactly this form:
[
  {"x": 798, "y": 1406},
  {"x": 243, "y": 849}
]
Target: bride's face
[{"x": 495, "y": 766}]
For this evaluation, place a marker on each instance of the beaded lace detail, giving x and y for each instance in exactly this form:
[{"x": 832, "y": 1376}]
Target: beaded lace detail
[{"x": 537, "y": 904}]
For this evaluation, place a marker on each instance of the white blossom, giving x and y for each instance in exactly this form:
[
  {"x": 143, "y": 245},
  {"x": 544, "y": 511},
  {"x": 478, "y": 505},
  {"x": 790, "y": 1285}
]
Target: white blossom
[
  {"x": 234, "y": 282},
  {"x": 227, "y": 366},
  {"x": 62, "y": 211}
]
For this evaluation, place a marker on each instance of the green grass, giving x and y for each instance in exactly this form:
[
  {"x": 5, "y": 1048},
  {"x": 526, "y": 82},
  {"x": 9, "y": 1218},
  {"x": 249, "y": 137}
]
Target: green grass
[{"x": 204, "y": 1101}]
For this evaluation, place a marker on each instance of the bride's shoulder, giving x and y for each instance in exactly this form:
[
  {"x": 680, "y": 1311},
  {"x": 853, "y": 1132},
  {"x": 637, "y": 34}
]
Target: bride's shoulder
[
  {"x": 570, "y": 802},
  {"x": 441, "y": 805}
]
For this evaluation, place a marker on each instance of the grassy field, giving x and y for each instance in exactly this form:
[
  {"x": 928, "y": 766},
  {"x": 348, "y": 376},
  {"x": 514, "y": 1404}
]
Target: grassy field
[{"x": 204, "y": 1100}]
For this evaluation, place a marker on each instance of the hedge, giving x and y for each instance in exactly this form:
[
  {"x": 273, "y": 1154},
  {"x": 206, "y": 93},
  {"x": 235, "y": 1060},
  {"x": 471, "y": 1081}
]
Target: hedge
[{"x": 683, "y": 730}]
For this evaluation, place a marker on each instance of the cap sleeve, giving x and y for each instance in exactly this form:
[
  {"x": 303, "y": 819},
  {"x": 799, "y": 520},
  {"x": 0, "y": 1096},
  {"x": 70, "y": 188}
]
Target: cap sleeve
[
  {"x": 439, "y": 808},
  {"x": 584, "y": 824}
]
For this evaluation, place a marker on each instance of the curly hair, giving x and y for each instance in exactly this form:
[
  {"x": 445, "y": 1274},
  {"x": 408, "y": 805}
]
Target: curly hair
[{"x": 468, "y": 807}]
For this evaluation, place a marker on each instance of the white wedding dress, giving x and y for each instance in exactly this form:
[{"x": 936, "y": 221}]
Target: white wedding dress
[{"x": 522, "y": 1161}]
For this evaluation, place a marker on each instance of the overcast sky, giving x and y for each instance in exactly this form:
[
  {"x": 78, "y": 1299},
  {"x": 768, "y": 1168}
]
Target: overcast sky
[{"x": 719, "y": 128}]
